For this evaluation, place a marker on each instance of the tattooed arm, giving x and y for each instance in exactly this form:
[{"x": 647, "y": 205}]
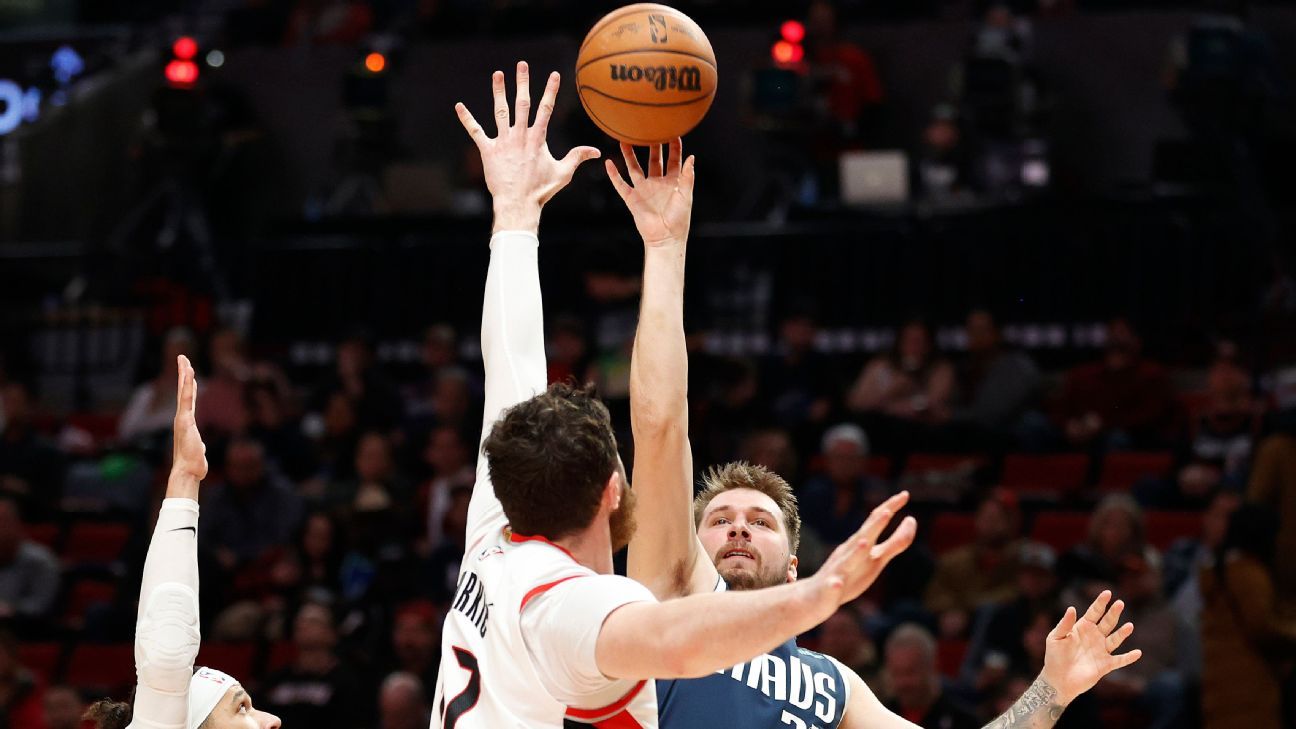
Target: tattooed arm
[{"x": 1038, "y": 708}]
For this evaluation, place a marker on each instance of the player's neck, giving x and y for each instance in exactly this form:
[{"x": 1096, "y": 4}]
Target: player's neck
[{"x": 591, "y": 547}]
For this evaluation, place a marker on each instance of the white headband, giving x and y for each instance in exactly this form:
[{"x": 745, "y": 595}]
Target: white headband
[{"x": 206, "y": 689}]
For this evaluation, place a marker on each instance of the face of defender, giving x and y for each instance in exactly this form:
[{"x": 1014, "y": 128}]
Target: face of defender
[
  {"x": 743, "y": 532},
  {"x": 235, "y": 711}
]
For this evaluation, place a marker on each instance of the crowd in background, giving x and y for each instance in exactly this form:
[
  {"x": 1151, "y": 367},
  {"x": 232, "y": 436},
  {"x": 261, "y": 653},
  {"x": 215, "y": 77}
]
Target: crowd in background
[{"x": 333, "y": 518}]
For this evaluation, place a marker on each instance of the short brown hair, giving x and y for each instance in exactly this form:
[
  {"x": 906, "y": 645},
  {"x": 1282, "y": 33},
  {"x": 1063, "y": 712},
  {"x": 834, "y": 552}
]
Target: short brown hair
[
  {"x": 742, "y": 475},
  {"x": 550, "y": 458}
]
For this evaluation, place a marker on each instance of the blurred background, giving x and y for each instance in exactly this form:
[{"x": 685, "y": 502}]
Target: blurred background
[{"x": 1031, "y": 260}]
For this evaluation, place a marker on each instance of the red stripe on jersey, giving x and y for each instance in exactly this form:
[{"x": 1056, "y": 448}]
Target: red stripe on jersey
[
  {"x": 622, "y": 720},
  {"x": 542, "y": 589},
  {"x": 516, "y": 538},
  {"x": 596, "y": 715}
]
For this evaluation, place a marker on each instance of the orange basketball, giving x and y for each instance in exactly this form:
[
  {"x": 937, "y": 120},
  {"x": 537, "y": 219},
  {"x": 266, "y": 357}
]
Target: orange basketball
[{"x": 646, "y": 74}]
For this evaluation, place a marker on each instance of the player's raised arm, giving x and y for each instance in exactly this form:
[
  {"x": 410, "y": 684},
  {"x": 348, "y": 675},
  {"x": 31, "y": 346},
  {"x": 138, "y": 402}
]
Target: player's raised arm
[
  {"x": 664, "y": 554},
  {"x": 522, "y": 176}
]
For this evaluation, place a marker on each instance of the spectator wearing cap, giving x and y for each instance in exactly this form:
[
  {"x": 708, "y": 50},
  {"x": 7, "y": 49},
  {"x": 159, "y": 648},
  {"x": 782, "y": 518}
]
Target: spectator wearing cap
[
  {"x": 837, "y": 502},
  {"x": 29, "y": 572},
  {"x": 980, "y": 573}
]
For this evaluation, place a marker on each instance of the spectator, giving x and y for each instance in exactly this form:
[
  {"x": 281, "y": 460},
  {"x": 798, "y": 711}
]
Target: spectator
[
  {"x": 1116, "y": 531},
  {"x": 272, "y": 422},
  {"x": 21, "y": 694},
  {"x": 148, "y": 415},
  {"x": 912, "y": 382},
  {"x": 568, "y": 349},
  {"x": 448, "y": 457},
  {"x": 447, "y": 555},
  {"x": 915, "y": 686},
  {"x": 773, "y": 449},
  {"x": 998, "y": 384},
  {"x": 29, "y": 572},
  {"x": 316, "y": 689},
  {"x": 1273, "y": 486},
  {"x": 252, "y": 512},
  {"x": 416, "y": 643},
  {"x": 798, "y": 381},
  {"x": 338, "y": 432},
  {"x": 980, "y": 573},
  {"x": 222, "y": 407},
  {"x": 377, "y": 402},
  {"x": 1186, "y": 557},
  {"x": 1120, "y": 401},
  {"x": 452, "y": 404},
  {"x": 375, "y": 469},
  {"x": 944, "y": 159},
  {"x": 733, "y": 411},
  {"x": 835, "y": 504},
  {"x": 1157, "y": 682},
  {"x": 402, "y": 703},
  {"x": 63, "y": 708},
  {"x": 31, "y": 470},
  {"x": 1245, "y": 639},
  {"x": 437, "y": 398},
  {"x": 845, "y": 74},
  {"x": 1003, "y": 36},
  {"x": 843, "y": 637}
]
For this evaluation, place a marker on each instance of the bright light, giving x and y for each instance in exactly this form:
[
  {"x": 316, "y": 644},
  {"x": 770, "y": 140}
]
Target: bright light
[
  {"x": 185, "y": 48},
  {"x": 375, "y": 62},
  {"x": 793, "y": 31},
  {"x": 215, "y": 59},
  {"x": 182, "y": 73},
  {"x": 785, "y": 52}
]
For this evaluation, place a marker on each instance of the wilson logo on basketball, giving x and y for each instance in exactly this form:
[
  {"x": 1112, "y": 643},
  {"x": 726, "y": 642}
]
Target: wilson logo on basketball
[{"x": 682, "y": 78}]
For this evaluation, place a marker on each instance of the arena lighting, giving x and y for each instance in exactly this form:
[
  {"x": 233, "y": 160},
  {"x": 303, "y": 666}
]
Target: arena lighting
[
  {"x": 792, "y": 31},
  {"x": 375, "y": 62},
  {"x": 786, "y": 53},
  {"x": 215, "y": 58},
  {"x": 185, "y": 48},
  {"x": 182, "y": 74}
]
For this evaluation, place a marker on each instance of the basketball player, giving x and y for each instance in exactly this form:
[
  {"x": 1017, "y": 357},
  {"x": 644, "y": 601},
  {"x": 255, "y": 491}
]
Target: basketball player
[
  {"x": 540, "y": 632},
  {"x": 741, "y": 532},
  {"x": 170, "y": 694}
]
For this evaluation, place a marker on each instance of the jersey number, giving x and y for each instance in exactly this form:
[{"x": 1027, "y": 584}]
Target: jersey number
[
  {"x": 467, "y": 699},
  {"x": 795, "y": 721}
]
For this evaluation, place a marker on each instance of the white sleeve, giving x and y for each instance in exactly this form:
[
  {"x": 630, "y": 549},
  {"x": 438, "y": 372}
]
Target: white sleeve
[
  {"x": 513, "y": 353},
  {"x": 560, "y": 629},
  {"x": 166, "y": 630}
]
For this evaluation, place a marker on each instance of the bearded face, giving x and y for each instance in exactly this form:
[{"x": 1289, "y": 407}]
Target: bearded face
[
  {"x": 742, "y": 530},
  {"x": 622, "y": 520}
]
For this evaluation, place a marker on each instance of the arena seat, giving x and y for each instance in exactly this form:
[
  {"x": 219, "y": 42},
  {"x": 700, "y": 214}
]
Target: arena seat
[
  {"x": 879, "y": 467},
  {"x": 950, "y": 530},
  {"x": 100, "y": 426},
  {"x": 85, "y": 595},
  {"x": 44, "y": 533},
  {"x": 108, "y": 668},
  {"x": 1122, "y": 470},
  {"x": 1061, "y": 530},
  {"x": 42, "y": 658},
  {"x": 238, "y": 659},
  {"x": 1053, "y": 475},
  {"x": 918, "y": 463},
  {"x": 95, "y": 543},
  {"x": 1164, "y": 528}
]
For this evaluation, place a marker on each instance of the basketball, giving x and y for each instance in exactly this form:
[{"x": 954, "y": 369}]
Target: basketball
[{"x": 646, "y": 74}]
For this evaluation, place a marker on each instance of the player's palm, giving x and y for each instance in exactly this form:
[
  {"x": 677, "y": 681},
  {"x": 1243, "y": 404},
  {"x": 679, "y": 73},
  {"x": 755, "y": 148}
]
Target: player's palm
[
  {"x": 189, "y": 453},
  {"x": 1080, "y": 652},
  {"x": 661, "y": 201}
]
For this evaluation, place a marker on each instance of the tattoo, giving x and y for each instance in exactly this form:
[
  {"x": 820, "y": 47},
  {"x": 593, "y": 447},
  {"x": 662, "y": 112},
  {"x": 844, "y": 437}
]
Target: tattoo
[{"x": 1036, "y": 709}]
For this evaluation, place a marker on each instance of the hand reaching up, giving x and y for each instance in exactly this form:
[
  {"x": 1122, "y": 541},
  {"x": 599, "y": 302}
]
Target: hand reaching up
[
  {"x": 189, "y": 454},
  {"x": 661, "y": 201}
]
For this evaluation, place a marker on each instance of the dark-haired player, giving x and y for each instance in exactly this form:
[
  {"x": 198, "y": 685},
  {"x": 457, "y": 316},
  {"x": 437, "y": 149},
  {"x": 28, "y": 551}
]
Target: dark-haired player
[
  {"x": 169, "y": 693},
  {"x": 540, "y": 632},
  {"x": 741, "y": 532}
]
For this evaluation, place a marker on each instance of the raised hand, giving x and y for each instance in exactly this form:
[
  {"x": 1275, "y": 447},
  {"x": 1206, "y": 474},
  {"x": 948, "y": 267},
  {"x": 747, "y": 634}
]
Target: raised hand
[
  {"x": 661, "y": 201},
  {"x": 189, "y": 454},
  {"x": 856, "y": 563},
  {"x": 1079, "y": 652},
  {"x": 520, "y": 172}
]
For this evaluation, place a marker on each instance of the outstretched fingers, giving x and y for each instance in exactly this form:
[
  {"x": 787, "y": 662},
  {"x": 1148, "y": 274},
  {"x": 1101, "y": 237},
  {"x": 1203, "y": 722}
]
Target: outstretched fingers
[
  {"x": 881, "y": 516},
  {"x": 1065, "y": 625},
  {"x": 186, "y": 387},
  {"x": 633, "y": 170},
  {"x": 470, "y": 125},
  {"x": 899, "y": 541},
  {"x": 1099, "y": 607},
  {"x": 501, "y": 103},
  {"x": 622, "y": 187},
  {"x": 1123, "y": 660},
  {"x": 1115, "y": 640},
  {"x": 656, "y": 168},
  {"x": 1112, "y": 618},
  {"x": 546, "y": 108},
  {"x": 676, "y": 158},
  {"x": 522, "y": 104}
]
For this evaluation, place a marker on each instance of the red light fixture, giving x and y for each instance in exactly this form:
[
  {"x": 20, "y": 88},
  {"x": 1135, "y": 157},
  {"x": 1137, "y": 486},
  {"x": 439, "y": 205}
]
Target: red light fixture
[
  {"x": 375, "y": 62},
  {"x": 182, "y": 74},
  {"x": 792, "y": 31},
  {"x": 185, "y": 48},
  {"x": 786, "y": 52}
]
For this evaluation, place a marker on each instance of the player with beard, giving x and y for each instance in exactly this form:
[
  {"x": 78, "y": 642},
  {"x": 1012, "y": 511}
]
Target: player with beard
[
  {"x": 540, "y": 633},
  {"x": 742, "y": 531}
]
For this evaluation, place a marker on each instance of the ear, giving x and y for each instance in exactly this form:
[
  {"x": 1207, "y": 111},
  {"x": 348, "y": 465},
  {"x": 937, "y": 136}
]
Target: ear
[
  {"x": 612, "y": 492},
  {"x": 793, "y": 563}
]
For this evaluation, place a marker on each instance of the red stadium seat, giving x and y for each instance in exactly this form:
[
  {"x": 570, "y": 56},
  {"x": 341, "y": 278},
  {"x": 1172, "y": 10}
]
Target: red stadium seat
[
  {"x": 236, "y": 659},
  {"x": 95, "y": 543},
  {"x": 102, "y": 668},
  {"x": 42, "y": 659},
  {"x": 879, "y": 467},
  {"x": 949, "y": 656},
  {"x": 1061, "y": 530},
  {"x": 87, "y": 594},
  {"x": 949, "y": 531},
  {"x": 1164, "y": 528},
  {"x": 1120, "y": 471},
  {"x": 1052, "y": 475},
  {"x": 918, "y": 463},
  {"x": 101, "y": 426},
  {"x": 46, "y": 534}
]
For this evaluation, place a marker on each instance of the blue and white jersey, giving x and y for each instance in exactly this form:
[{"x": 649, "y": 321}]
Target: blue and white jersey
[{"x": 787, "y": 687}]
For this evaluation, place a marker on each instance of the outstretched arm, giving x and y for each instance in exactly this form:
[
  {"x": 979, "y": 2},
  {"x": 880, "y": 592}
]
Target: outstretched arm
[
  {"x": 166, "y": 631},
  {"x": 522, "y": 176},
  {"x": 664, "y": 553},
  {"x": 1078, "y": 654}
]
